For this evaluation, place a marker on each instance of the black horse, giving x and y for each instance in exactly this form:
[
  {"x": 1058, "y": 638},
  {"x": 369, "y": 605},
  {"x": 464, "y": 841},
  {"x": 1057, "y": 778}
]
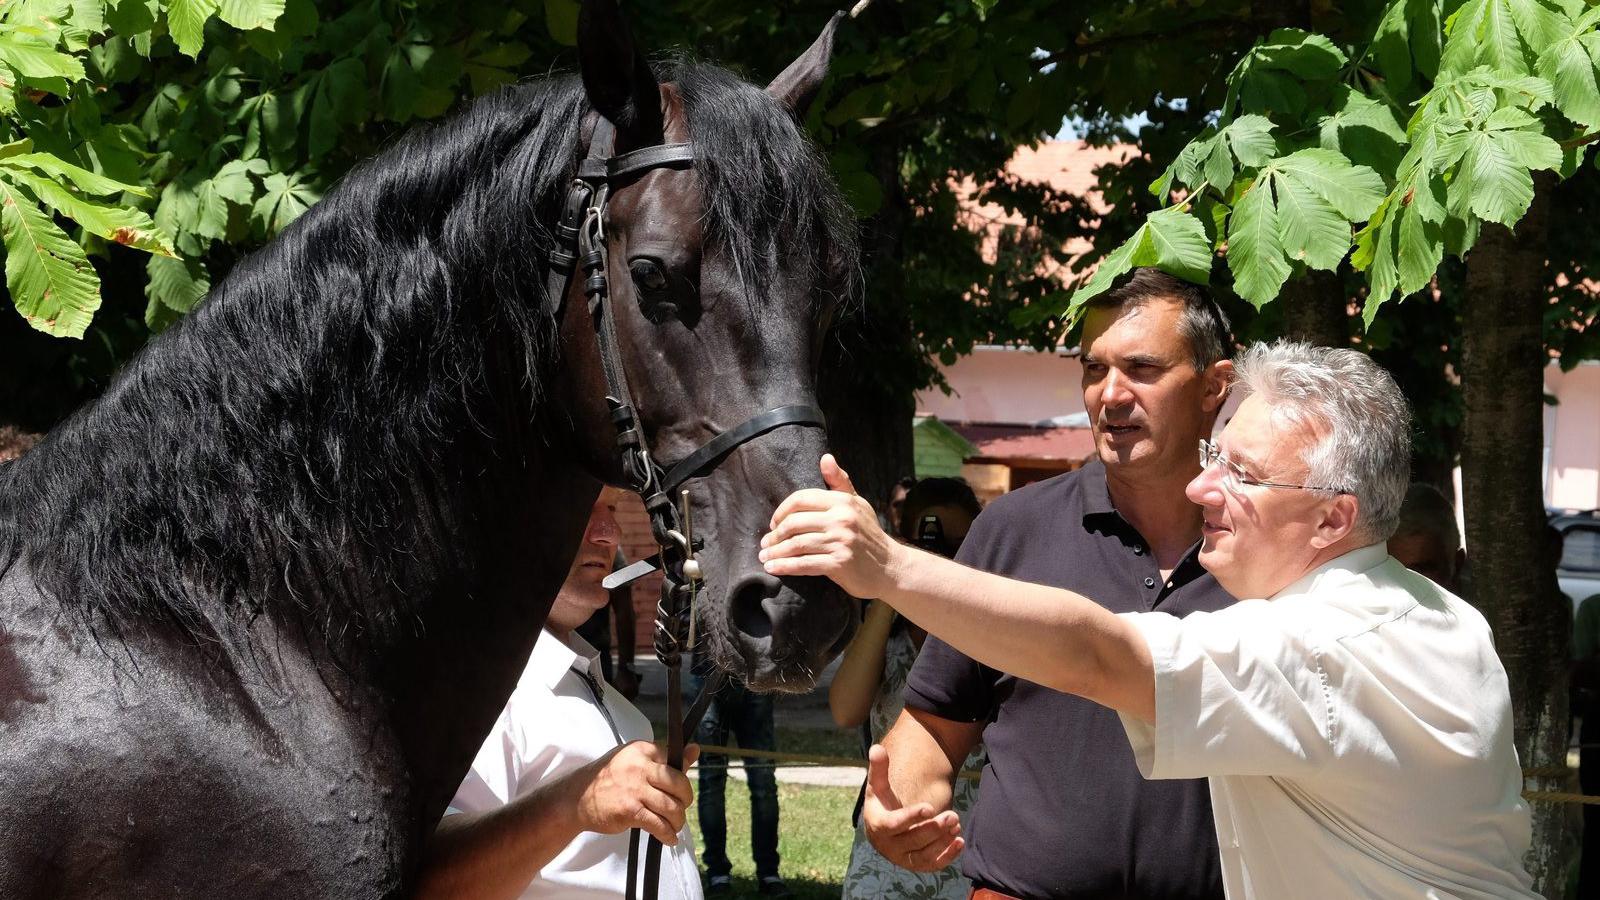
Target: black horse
[{"x": 262, "y": 600}]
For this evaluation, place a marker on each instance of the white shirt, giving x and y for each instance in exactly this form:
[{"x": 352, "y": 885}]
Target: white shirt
[
  {"x": 552, "y": 725},
  {"x": 1356, "y": 731}
]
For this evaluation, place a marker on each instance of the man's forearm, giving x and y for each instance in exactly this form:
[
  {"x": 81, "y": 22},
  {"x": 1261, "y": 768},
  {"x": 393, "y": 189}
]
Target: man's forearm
[
  {"x": 495, "y": 854},
  {"x": 920, "y": 766},
  {"x": 1049, "y": 636}
]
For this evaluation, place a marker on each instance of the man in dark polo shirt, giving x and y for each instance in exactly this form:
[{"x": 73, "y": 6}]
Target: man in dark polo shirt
[{"x": 1062, "y": 811}]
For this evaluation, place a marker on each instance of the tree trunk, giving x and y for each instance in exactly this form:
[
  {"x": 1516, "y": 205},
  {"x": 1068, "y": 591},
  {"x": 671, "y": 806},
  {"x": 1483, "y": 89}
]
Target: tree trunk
[
  {"x": 1316, "y": 310},
  {"x": 866, "y": 382},
  {"x": 1513, "y": 578}
]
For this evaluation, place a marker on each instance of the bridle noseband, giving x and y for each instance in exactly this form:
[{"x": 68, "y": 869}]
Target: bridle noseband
[{"x": 582, "y": 235}]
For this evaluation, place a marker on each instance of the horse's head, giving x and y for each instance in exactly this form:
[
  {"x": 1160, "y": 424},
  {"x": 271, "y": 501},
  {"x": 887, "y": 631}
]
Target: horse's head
[{"x": 722, "y": 273}]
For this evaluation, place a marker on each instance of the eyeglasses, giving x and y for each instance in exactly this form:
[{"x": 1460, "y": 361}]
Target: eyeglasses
[{"x": 1235, "y": 478}]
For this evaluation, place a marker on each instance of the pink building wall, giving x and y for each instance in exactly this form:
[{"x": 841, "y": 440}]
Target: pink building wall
[{"x": 1572, "y": 438}]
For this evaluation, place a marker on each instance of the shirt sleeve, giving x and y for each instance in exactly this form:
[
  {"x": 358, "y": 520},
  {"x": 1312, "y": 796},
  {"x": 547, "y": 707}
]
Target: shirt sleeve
[
  {"x": 949, "y": 684},
  {"x": 1235, "y": 695}
]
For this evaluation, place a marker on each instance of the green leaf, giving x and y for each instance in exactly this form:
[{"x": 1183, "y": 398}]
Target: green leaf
[
  {"x": 1310, "y": 229},
  {"x": 1505, "y": 35},
  {"x": 1493, "y": 179},
  {"x": 1364, "y": 130},
  {"x": 177, "y": 284},
  {"x": 983, "y": 7},
  {"x": 36, "y": 59},
  {"x": 1115, "y": 264},
  {"x": 1569, "y": 65},
  {"x": 1250, "y": 137},
  {"x": 1355, "y": 191},
  {"x": 1421, "y": 249},
  {"x": 862, "y": 190},
  {"x": 1177, "y": 245},
  {"x": 561, "y": 20},
  {"x": 283, "y": 199},
  {"x": 1254, "y": 253},
  {"x": 247, "y": 14},
  {"x": 233, "y": 181},
  {"x": 1408, "y": 41},
  {"x": 129, "y": 17},
  {"x": 129, "y": 227},
  {"x": 1307, "y": 56},
  {"x": 187, "y": 21},
  {"x": 50, "y": 280},
  {"x": 1218, "y": 167},
  {"x": 81, "y": 178}
]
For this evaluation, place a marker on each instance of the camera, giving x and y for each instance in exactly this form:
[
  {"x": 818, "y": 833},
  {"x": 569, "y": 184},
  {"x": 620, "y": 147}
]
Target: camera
[{"x": 931, "y": 537}]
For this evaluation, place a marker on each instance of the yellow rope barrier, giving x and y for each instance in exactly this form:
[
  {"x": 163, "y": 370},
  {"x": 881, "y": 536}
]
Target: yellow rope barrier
[
  {"x": 802, "y": 759},
  {"x": 812, "y": 759}
]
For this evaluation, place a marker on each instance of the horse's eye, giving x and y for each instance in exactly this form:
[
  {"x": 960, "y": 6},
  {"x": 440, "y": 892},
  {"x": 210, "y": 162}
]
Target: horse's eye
[{"x": 648, "y": 276}]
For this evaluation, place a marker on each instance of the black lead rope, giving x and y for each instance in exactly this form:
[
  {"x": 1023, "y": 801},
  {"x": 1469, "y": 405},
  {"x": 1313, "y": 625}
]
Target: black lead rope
[{"x": 583, "y": 242}]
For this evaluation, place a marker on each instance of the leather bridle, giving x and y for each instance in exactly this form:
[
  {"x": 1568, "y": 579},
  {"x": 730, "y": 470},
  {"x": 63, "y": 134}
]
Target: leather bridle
[{"x": 583, "y": 242}]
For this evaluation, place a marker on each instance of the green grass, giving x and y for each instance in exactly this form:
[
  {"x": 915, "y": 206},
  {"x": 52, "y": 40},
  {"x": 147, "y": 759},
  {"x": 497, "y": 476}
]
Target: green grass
[
  {"x": 814, "y": 836},
  {"x": 821, "y": 742}
]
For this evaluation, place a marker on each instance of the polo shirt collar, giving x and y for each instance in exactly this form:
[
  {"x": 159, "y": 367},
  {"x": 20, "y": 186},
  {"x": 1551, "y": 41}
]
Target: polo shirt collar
[
  {"x": 1357, "y": 561},
  {"x": 553, "y": 659},
  {"x": 1096, "y": 495}
]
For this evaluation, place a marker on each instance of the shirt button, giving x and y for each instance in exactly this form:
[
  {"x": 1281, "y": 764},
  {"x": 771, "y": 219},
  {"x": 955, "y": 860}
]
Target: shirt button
[{"x": 1149, "y": 582}]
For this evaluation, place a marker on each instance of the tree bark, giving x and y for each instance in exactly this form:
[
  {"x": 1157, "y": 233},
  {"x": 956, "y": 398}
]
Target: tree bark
[
  {"x": 865, "y": 385},
  {"x": 1513, "y": 578},
  {"x": 1315, "y": 309}
]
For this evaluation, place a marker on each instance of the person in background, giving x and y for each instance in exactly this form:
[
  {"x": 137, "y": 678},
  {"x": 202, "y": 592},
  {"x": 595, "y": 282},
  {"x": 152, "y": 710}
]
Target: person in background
[
  {"x": 890, "y": 520},
  {"x": 1427, "y": 540},
  {"x": 597, "y": 631},
  {"x": 736, "y": 711},
  {"x": 870, "y": 682},
  {"x": 568, "y": 769}
]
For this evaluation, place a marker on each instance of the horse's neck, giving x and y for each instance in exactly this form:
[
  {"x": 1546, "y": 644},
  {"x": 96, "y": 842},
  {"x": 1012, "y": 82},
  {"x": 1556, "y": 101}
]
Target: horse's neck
[{"x": 432, "y": 697}]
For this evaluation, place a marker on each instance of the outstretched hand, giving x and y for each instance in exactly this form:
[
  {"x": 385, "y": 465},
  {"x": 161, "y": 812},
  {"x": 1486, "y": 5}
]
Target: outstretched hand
[
  {"x": 911, "y": 837},
  {"x": 833, "y": 533}
]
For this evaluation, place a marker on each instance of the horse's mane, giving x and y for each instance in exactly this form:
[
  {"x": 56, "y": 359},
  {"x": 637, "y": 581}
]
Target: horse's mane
[{"x": 322, "y": 431}]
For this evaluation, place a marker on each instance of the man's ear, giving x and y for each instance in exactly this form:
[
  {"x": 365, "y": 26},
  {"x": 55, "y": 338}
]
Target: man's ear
[
  {"x": 1338, "y": 521},
  {"x": 1218, "y": 381},
  {"x": 799, "y": 84},
  {"x": 617, "y": 76}
]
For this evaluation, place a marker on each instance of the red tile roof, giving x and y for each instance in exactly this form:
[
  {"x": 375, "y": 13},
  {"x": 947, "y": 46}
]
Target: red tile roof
[{"x": 999, "y": 442}]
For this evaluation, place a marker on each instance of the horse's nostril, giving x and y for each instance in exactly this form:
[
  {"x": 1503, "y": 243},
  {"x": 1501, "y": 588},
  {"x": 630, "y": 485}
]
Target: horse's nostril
[{"x": 749, "y": 609}]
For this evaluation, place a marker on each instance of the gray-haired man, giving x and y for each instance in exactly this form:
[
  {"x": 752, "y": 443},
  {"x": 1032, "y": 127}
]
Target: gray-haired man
[{"x": 1354, "y": 721}]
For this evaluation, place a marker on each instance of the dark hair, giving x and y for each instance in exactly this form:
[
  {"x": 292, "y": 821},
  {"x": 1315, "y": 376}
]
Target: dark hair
[
  {"x": 930, "y": 492},
  {"x": 14, "y": 442},
  {"x": 311, "y": 435},
  {"x": 907, "y": 482},
  {"x": 1426, "y": 511},
  {"x": 1203, "y": 323}
]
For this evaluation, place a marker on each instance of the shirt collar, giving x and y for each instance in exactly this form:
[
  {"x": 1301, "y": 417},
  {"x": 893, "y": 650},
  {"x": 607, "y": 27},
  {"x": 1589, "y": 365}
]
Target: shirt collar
[
  {"x": 553, "y": 659},
  {"x": 1096, "y": 495},
  {"x": 1357, "y": 561}
]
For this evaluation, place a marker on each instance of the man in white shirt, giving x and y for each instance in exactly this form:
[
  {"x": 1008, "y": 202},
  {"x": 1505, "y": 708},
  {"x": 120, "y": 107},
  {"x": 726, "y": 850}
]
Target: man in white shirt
[
  {"x": 1354, "y": 722},
  {"x": 546, "y": 809}
]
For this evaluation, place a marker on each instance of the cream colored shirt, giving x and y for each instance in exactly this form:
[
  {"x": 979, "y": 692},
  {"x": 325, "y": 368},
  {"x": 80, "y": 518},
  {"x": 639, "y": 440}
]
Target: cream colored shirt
[
  {"x": 1356, "y": 731},
  {"x": 556, "y": 722}
]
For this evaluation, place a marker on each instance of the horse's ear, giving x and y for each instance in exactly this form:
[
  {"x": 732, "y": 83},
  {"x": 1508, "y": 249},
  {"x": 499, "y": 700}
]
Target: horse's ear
[
  {"x": 616, "y": 75},
  {"x": 798, "y": 85}
]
